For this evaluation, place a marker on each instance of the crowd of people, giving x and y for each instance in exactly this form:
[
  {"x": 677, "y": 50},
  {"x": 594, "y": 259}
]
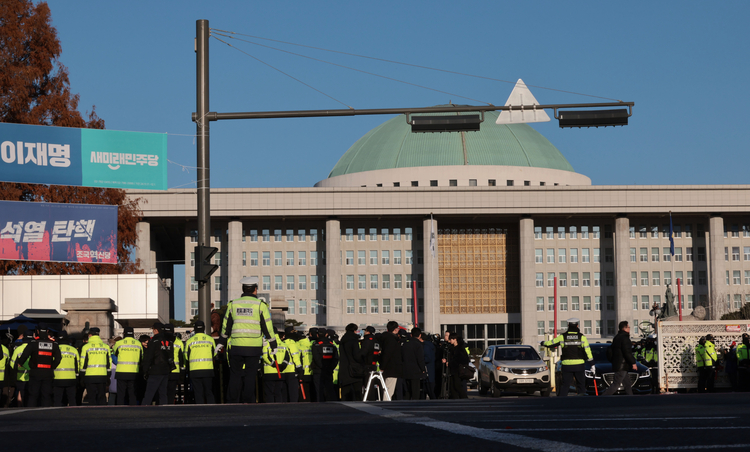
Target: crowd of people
[{"x": 42, "y": 368}]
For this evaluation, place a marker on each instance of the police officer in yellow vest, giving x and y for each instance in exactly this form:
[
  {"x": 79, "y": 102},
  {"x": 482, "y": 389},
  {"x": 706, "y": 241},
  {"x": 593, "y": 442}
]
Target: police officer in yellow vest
[
  {"x": 575, "y": 353},
  {"x": 706, "y": 377},
  {"x": 21, "y": 368},
  {"x": 199, "y": 356},
  {"x": 95, "y": 365},
  {"x": 743, "y": 363},
  {"x": 292, "y": 378},
  {"x": 305, "y": 352},
  {"x": 179, "y": 361},
  {"x": 129, "y": 353},
  {"x": 273, "y": 385},
  {"x": 4, "y": 360},
  {"x": 66, "y": 374},
  {"x": 246, "y": 322}
]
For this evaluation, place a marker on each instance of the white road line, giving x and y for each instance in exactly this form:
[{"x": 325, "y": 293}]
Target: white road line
[
  {"x": 606, "y": 419},
  {"x": 693, "y": 447},
  {"x": 609, "y": 429},
  {"x": 475, "y": 432},
  {"x": 4, "y": 413}
]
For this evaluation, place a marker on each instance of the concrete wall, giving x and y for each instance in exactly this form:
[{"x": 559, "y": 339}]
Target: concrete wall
[{"x": 138, "y": 297}]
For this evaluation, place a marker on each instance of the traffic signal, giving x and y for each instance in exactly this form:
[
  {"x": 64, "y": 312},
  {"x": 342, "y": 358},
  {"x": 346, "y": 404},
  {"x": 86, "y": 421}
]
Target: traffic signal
[{"x": 203, "y": 266}]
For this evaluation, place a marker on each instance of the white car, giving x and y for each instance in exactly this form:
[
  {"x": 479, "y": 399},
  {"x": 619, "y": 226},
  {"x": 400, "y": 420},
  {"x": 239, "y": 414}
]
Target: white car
[{"x": 516, "y": 368}]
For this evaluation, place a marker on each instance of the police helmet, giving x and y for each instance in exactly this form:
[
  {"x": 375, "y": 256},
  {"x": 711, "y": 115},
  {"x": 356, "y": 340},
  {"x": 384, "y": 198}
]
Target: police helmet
[{"x": 573, "y": 321}]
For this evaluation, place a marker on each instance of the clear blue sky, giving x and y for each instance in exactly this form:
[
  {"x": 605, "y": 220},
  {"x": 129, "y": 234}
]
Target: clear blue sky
[{"x": 683, "y": 63}]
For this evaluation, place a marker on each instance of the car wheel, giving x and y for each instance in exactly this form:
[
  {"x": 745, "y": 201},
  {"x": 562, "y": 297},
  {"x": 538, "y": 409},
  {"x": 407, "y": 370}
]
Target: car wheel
[
  {"x": 482, "y": 388},
  {"x": 546, "y": 392},
  {"x": 496, "y": 392}
]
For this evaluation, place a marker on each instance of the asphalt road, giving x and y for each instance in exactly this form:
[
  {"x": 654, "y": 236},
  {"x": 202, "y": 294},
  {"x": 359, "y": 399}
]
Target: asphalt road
[{"x": 620, "y": 423}]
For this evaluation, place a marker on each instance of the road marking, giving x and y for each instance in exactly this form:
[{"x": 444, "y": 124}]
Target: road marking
[
  {"x": 610, "y": 428},
  {"x": 458, "y": 429},
  {"x": 29, "y": 409},
  {"x": 536, "y": 419},
  {"x": 694, "y": 447}
]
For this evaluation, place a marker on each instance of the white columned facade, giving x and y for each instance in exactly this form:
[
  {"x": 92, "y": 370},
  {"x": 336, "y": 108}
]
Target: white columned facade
[
  {"x": 234, "y": 262},
  {"x": 334, "y": 302},
  {"x": 624, "y": 300},
  {"x": 527, "y": 283},
  {"x": 431, "y": 277}
]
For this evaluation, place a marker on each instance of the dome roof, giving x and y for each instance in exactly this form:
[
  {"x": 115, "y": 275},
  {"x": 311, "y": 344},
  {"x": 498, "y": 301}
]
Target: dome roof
[{"x": 393, "y": 145}]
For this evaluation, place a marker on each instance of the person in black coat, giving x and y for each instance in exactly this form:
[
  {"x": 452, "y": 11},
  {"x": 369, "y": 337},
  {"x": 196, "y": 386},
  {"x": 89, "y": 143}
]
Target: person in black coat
[
  {"x": 459, "y": 357},
  {"x": 412, "y": 353},
  {"x": 351, "y": 365},
  {"x": 622, "y": 360},
  {"x": 390, "y": 357},
  {"x": 158, "y": 363},
  {"x": 429, "y": 364},
  {"x": 44, "y": 356}
]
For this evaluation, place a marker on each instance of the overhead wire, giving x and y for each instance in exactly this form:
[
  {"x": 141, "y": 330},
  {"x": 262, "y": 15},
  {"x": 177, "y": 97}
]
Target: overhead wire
[
  {"x": 342, "y": 66},
  {"x": 409, "y": 64}
]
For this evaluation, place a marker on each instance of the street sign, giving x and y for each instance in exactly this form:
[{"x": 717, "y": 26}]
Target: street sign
[{"x": 521, "y": 95}]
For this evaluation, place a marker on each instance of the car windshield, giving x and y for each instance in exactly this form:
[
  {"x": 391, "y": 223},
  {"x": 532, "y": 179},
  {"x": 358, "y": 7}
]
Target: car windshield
[
  {"x": 599, "y": 352},
  {"x": 516, "y": 354}
]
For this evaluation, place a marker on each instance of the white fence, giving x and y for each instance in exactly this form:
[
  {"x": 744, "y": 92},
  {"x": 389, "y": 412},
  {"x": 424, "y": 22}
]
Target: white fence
[{"x": 677, "y": 341}]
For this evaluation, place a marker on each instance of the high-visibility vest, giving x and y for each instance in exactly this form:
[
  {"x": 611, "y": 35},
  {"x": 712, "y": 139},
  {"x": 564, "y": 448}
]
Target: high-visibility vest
[
  {"x": 68, "y": 367},
  {"x": 743, "y": 352},
  {"x": 178, "y": 347},
  {"x": 199, "y": 352},
  {"x": 95, "y": 358},
  {"x": 336, "y": 369},
  {"x": 710, "y": 357},
  {"x": 700, "y": 352},
  {"x": 22, "y": 369},
  {"x": 305, "y": 350},
  {"x": 129, "y": 353},
  {"x": 294, "y": 351},
  {"x": 650, "y": 355},
  {"x": 575, "y": 348},
  {"x": 245, "y": 313},
  {"x": 4, "y": 357},
  {"x": 283, "y": 357}
]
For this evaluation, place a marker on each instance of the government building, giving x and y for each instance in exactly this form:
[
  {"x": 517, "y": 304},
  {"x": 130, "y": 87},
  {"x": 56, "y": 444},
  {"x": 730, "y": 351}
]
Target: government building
[{"x": 512, "y": 222}]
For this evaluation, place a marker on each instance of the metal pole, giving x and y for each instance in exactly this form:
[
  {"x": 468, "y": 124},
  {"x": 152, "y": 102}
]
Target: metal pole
[{"x": 202, "y": 131}]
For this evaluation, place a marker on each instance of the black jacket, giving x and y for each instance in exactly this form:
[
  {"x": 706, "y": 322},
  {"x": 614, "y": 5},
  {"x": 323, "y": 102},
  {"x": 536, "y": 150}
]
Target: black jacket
[
  {"x": 390, "y": 359},
  {"x": 351, "y": 364},
  {"x": 159, "y": 356},
  {"x": 322, "y": 361},
  {"x": 458, "y": 358},
  {"x": 622, "y": 352},
  {"x": 429, "y": 360},
  {"x": 412, "y": 353},
  {"x": 370, "y": 353},
  {"x": 44, "y": 357}
]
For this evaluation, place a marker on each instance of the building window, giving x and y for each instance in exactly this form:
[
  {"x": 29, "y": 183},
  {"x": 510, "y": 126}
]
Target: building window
[
  {"x": 194, "y": 236},
  {"x": 561, "y": 232},
  {"x": 632, "y": 232},
  {"x": 573, "y": 232},
  {"x": 597, "y": 279},
  {"x": 610, "y": 279},
  {"x": 397, "y": 257},
  {"x": 550, "y": 255},
  {"x": 491, "y": 182},
  {"x": 586, "y": 303},
  {"x": 667, "y": 254},
  {"x": 633, "y": 279},
  {"x": 398, "y": 281},
  {"x": 574, "y": 255},
  {"x": 363, "y": 306},
  {"x": 587, "y": 327},
  {"x": 350, "y": 258},
  {"x": 538, "y": 258},
  {"x": 266, "y": 283},
  {"x": 574, "y": 279},
  {"x": 551, "y": 279},
  {"x": 735, "y": 253},
  {"x": 540, "y": 279},
  {"x": 244, "y": 258},
  {"x": 472, "y": 182},
  {"x": 678, "y": 254},
  {"x": 313, "y": 238},
  {"x": 597, "y": 255},
  {"x": 277, "y": 235},
  {"x": 277, "y": 258},
  {"x": 302, "y": 280},
  {"x": 192, "y": 259},
  {"x": 509, "y": 183},
  {"x": 302, "y": 258},
  {"x": 585, "y": 257},
  {"x": 397, "y": 184},
  {"x": 655, "y": 278},
  {"x": 278, "y": 283},
  {"x": 635, "y": 302},
  {"x": 313, "y": 258},
  {"x": 586, "y": 280},
  {"x": 595, "y": 232},
  {"x": 314, "y": 282},
  {"x": 702, "y": 278},
  {"x": 193, "y": 284},
  {"x": 575, "y": 304},
  {"x": 386, "y": 257},
  {"x": 349, "y": 306},
  {"x": 563, "y": 281},
  {"x": 290, "y": 258},
  {"x": 217, "y": 258},
  {"x": 597, "y": 303},
  {"x": 193, "y": 308},
  {"x": 643, "y": 252},
  {"x": 349, "y": 234},
  {"x": 453, "y": 183},
  {"x": 563, "y": 303},
  {"x": 415, "y": 183},
  {"x": 373, "y": 257},
  {"x": 290, "y": 282},
  {"x": 550, "y": 232},
  {"x": 608, "y": 255},
  {"x": 361, "y": 257},
  {"x": 253, "y": 258},
  {"x": 667, "y": 278},
  {"x": 644, "y": 278},
  {"x": 373, "y": 234},
  {"x": 386, "y": 281},
  {"x": 217, "y": 282},
  {"x": 373, "y": 281},
  {"x": 537, "y": 232},
  {"x": 540, "y": 328},
  {"x": 701, "y": 254},
  {"x": 632, "y": 255},
  {"x": 736, "y": 279},
  {"x": 610, "y": 303},
  {"x": 386, "y": 305},
  {"x": 398, "y": 306},
  {"x": 561, "y": 255},
  {"x": 540, "y": 303},
  {"x": 373, "y": 306},
  {"x": 302, "y": 307},
  {"x": 689, "y": 280}
]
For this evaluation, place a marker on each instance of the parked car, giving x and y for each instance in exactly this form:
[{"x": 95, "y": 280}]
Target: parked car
[
  {"x": 513, "y": 368},
  {"x": 600, "y": 371},
  {"x": 474, "y": 382}
]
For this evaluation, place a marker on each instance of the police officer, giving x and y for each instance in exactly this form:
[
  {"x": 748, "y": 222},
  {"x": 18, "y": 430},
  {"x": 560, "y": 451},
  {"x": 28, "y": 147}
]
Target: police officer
[
  {"x": 325, "y": 360},
  {"x": 158, "y": 364},
  {"x": 710, "y": 361},
  {"x": 246, "y": 322},
  {"x": 20, "y": 367},
  {"x": 129, "y": 353},
  {"x": 44, "y": 357},
  {"x": 305, "y": 352},
  {"x": 292, "y": 376},
  {"x": 199, "y": 356},
  {"x": 4, "y": 359},
  {"x": 179, "y": 362},
  {"x": 575, "y": 353},
  {"x": 95, "y": 365},
  {"x": 371, "y": 354},
  {"x": 743, "y": 363},
  {"x": 66, "y": 373},
  {"x": 273, "y": 376}
]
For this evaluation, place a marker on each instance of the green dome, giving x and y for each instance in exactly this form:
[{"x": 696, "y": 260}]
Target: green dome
[{"x": 393, "y": 145}]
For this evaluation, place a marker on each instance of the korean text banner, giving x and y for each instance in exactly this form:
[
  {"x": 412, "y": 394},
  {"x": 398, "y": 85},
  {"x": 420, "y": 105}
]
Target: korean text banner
[
  {"x": 82, "y": 157},
  {"x": 40, "y": 231}
]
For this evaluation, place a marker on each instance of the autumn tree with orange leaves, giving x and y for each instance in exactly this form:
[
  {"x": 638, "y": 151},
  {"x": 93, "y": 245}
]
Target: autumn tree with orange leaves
[{"x": 35, "y": 89}]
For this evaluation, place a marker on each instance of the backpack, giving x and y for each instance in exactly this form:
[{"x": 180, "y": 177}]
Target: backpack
[{"x": 610, "y": 353}]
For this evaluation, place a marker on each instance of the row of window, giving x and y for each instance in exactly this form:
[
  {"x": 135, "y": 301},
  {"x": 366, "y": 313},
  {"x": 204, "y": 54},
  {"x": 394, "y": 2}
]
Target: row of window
[
  {"x": 585, "y": 280},
  {"x": 587, "y": 329},
  {"x": 736, "y": 253},
  {"x": 642, "y": 302},
  {"x": 385, "y": 257},
  {"x": 642, "y": 231},
  {"x": 652, "y": 231},
  {"x": 372, "y": 234},
  {"x": 299, "y": 307},
  {"x": 383, "y": 281},
  {"x": 572, "y": 232},
  {"x": 383, "y": 306},
  {"x": 472, "y": 183},
  {"x": 737, "y": 277}
]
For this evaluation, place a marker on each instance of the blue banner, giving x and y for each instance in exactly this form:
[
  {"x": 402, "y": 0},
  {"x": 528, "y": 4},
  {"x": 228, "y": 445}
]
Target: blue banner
[
  {"x": 82, "y": 157},
  {"x": 40, "y": 231}
]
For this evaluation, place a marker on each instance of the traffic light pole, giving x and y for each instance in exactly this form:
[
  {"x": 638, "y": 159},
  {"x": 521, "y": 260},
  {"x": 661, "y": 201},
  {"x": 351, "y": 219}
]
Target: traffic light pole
[{"x": 203, "y": 162}]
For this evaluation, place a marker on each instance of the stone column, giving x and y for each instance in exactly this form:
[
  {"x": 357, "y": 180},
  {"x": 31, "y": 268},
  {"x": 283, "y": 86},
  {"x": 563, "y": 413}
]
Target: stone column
[
  {"x": 97, "y": 312},
  {"x": 334, "y": 303},
  {"x": 234, "y": 271},
  {"x": 528, "y": 283},
  {"x": 717, "y": 289},
  {"x": 431, "y": 269},
  {"x": 624, "y": 299},
  {"x": 143, "y": 247}
]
